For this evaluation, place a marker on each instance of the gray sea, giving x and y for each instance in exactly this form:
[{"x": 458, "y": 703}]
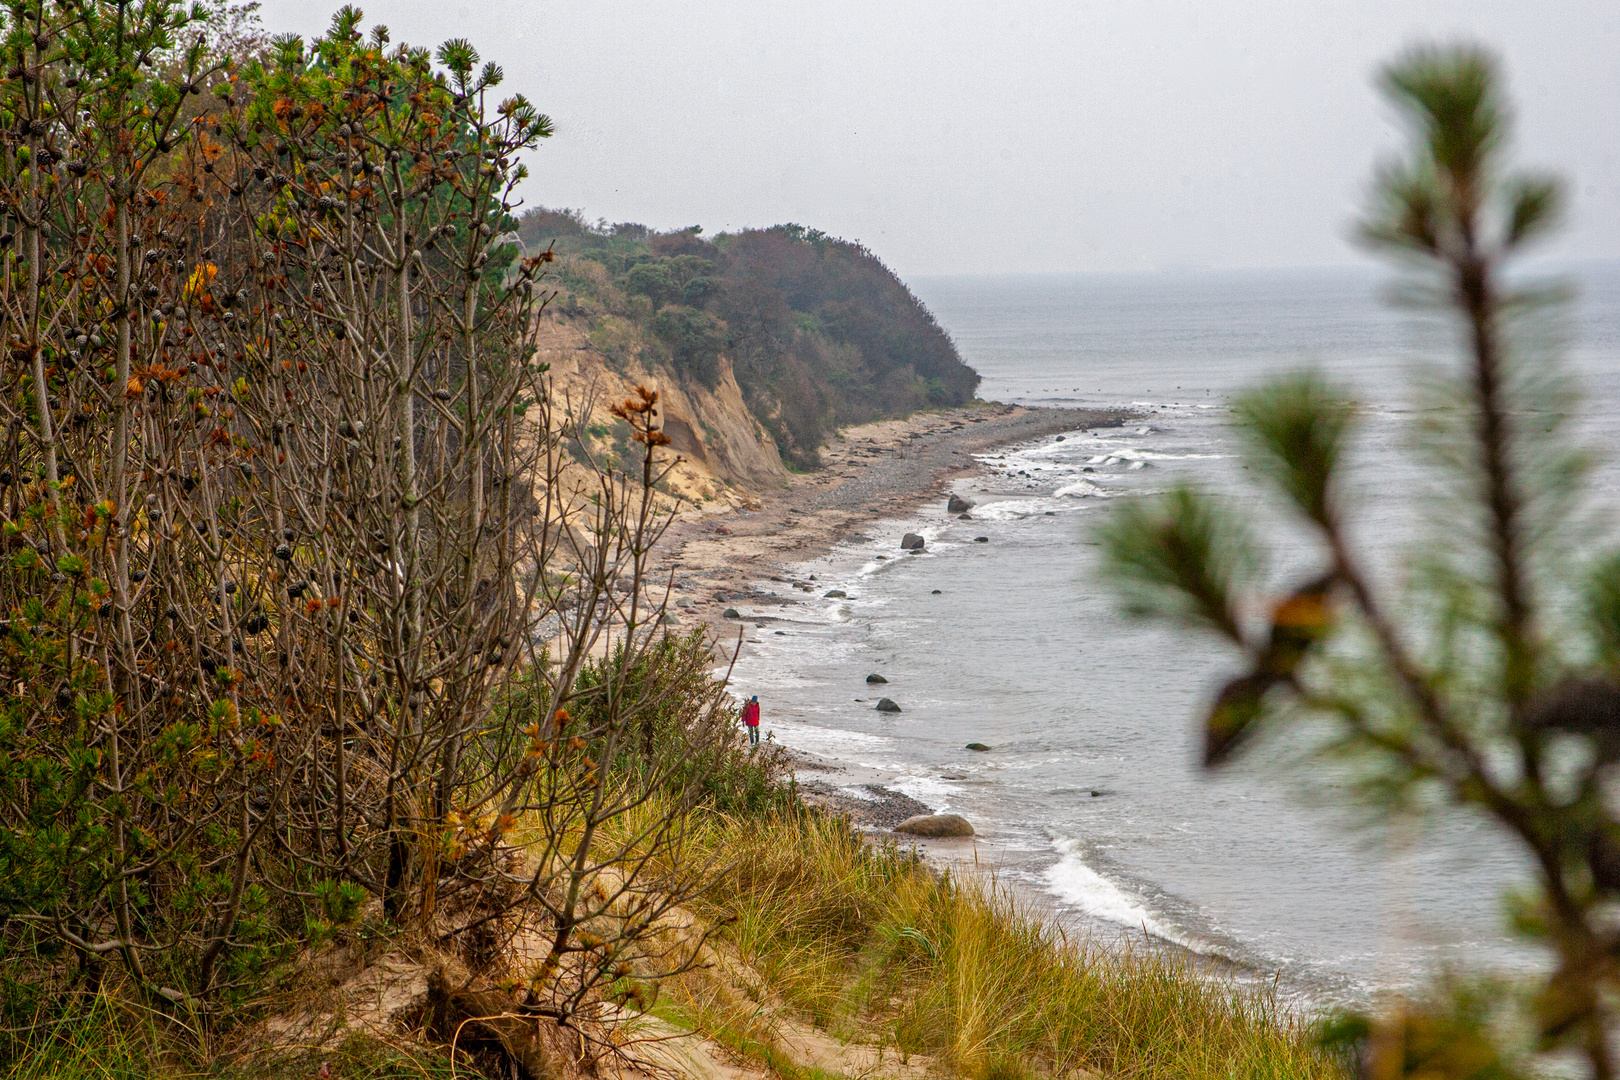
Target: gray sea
[{"x": 1090, "y": 801}]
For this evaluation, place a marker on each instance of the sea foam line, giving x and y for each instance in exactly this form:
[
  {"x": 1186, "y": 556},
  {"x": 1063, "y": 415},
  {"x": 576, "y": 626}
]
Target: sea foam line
[{"x": 1081, "y": 887}]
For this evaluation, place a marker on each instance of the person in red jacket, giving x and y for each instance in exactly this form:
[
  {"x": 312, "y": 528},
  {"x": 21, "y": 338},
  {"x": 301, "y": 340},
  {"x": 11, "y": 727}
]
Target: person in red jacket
[{"x": 750, "y": 719}]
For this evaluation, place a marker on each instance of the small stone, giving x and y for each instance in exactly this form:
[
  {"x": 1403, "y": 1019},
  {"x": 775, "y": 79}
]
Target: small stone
[
  {"x": 887, "y": 705},
  {"x": 981, "y": 539},
  {"x": 876, "y": 678},
  {"x": 1058, "y": 439},
  {"x": 935, "y": 825},
  {"x": 964, "y": 517},
  {"x": 979, "y": 746},
  {"x": 731, "y": 613}
]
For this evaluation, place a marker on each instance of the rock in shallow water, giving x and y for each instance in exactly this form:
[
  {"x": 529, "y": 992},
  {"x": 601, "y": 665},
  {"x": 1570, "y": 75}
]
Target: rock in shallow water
[
  {"x": 979, "y": 746},
  {"x": 834, "y": 594},
  {"x": 911, "y": 542},
  {"x": 875, "y": 678},
  {"x": 887, "y": 705},
  {"x": 957, "y": 505},
  {"x": 935, "y": 825}
]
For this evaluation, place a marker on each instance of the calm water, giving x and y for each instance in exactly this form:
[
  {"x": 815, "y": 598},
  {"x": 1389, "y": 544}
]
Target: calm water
[{"x": 1090, "y": 797}]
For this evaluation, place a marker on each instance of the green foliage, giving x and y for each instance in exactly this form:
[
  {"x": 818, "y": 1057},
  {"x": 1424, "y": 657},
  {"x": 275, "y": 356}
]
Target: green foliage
[
  {"x": 158, "y": 605},
  {"x": 1299, "y": 423},
  {"x": 1481, "y": 690},
  {"x": 695, "y": 339},
  {"x": 1463, "y": 1033},
  {"x": 1602, "y": 602},
  {"x": 1183, "y": 556},
  {"x": 819, "y": 332},
  {"x": 683, "y": 733}
]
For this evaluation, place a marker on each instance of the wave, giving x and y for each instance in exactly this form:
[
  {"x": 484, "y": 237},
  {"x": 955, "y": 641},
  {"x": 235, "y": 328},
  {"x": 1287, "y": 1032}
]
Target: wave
[
  {"x": 1076, "y": 884},
  {"x": 1081, "y": 887},
  {"x": 1081, "y": 489}
]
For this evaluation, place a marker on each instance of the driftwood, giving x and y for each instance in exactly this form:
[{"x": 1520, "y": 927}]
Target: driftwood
[{"x": 487, "y": 1021}]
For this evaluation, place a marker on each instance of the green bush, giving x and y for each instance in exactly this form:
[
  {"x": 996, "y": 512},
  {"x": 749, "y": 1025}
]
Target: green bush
[{"x": 695, "y": 339}]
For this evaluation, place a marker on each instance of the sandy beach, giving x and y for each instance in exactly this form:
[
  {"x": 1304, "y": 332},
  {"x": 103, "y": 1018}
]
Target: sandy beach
[{"x": 872, "y": 472}]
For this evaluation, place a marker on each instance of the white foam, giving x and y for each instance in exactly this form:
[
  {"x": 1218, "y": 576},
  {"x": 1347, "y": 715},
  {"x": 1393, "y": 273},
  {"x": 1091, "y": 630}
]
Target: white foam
[
  {"x": 1082, "y": 488},
  {"x": 1075, "y": 883},
  {"x": 927, "y": 789},
  {"x": 825, "y": 741}
]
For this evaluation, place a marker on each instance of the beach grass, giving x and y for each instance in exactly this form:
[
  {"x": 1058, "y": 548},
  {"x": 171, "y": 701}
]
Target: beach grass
[
  {"x": 875, "y": 945},
  {"x": 940, "y": 969}
]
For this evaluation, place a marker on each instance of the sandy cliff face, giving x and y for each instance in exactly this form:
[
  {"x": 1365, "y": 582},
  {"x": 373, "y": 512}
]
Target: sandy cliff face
[{"x": 726, "y": 456}]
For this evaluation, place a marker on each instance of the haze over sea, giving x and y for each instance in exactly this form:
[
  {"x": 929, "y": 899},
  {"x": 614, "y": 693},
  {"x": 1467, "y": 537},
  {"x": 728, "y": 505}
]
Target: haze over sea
[{"x": 1091, "y": 797}]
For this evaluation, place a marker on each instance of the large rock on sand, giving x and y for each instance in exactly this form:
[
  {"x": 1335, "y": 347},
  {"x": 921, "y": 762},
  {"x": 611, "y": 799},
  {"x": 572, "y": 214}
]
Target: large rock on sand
[
  {"x": 935, "y": 825},
  {"x": 957, "y": 505}
]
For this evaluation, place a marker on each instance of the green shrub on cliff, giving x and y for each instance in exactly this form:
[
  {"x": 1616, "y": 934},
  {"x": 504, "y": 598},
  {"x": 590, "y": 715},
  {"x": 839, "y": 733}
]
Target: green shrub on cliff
[{"x": 819, "y": 332}]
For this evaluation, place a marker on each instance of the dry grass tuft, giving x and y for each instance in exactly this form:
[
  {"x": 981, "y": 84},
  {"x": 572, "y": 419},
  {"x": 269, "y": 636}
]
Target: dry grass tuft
[{"x": 871, "y": 941}]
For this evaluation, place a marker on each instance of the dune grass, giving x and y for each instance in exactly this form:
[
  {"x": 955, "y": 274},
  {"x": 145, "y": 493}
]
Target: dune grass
[
  {"x": 108, "y": 1040},
  {"x": 874, "y": 946},
  {"x": 873, "y": 943}
]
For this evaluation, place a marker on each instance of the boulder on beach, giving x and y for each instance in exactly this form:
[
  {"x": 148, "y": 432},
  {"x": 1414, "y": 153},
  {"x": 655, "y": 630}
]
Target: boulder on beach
[
  {"x": 887, "y": 705},
  {"x": 979, "y": 746},
  {"x": 731, "y": 613},
  {"x": 876, "y": 678},
  {"x": 834, "y": 594},
  {"x": 912, "y": 542},
  {"x": 935, "y": 825},
  {"x": 957, "y": 505}
]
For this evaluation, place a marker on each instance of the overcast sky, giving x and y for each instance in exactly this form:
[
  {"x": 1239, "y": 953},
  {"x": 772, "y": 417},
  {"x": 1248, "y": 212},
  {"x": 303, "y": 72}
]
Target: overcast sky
[{"x": 963, "y": 137}]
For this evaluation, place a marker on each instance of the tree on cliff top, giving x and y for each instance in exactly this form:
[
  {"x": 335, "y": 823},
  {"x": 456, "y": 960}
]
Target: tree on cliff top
[{"x": 820, "y": 333}]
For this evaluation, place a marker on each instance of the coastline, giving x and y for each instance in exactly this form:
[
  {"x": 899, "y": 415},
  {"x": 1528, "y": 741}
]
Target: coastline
[{"x": 872, "y": 472}]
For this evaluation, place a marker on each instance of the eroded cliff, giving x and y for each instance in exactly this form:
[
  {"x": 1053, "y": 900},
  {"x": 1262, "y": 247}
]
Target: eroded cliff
[{"x": 726, "y": 457}]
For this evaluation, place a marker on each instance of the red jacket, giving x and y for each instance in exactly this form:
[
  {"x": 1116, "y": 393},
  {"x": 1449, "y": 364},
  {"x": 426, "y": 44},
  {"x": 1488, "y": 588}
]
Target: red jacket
[{"x": 751, "y": 713}]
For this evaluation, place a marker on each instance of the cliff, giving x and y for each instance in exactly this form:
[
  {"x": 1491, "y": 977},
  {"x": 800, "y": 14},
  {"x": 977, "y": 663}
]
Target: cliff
[
  {"x": 814, "y": 332},
  {"x": 726, "y": 455}
]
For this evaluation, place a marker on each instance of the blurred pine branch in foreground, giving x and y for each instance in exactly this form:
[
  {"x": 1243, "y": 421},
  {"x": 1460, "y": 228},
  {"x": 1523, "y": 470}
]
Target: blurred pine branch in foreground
[{"x": 1494, "y": 684}]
